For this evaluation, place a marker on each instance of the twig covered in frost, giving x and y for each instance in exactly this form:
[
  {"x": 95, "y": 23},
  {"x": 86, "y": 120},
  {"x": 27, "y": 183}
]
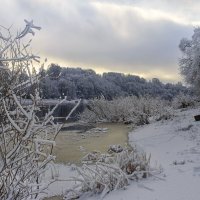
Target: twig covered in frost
[
  {"x": 24, "y": 138},
  {"x": 28, "y": 29}
]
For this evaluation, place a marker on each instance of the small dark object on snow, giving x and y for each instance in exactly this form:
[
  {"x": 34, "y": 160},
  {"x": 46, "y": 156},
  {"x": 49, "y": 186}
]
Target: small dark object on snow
[
  {"x": 197, "y": 117},
  {"x": 179, "y": 162}
]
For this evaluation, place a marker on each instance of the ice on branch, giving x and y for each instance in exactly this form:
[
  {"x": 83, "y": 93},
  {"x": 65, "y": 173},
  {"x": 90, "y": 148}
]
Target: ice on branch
[
  {"x": 28, "y": 29},
  {"x": 26, "y": 141}
]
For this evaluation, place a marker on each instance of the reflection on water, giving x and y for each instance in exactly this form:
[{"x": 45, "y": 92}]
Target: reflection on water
[{"x": 72, "y": 146}]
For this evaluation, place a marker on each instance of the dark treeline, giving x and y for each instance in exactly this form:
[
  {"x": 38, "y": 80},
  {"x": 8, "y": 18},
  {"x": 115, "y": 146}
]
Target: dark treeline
[{"x": 75, "y": 83}]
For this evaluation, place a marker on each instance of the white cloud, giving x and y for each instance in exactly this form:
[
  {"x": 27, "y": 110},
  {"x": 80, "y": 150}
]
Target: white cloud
[{"x": 127, "y": 36}]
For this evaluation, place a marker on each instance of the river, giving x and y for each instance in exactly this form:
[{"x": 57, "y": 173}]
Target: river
[{"x": 71, "y": 146}]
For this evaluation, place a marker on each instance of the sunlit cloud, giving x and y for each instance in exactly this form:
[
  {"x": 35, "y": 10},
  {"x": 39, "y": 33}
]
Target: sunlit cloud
[
  {"x": 129, "y": 36},
  {"x": 183, "y": 12},
  {"x": 118, "y": 12}
]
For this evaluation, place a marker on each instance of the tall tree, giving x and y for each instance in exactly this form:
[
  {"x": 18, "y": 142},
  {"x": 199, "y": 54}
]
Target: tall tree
[{"x": 190, "y": 61}]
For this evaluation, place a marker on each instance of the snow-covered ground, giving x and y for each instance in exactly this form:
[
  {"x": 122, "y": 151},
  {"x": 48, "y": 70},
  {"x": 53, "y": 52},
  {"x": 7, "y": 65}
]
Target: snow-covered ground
[{"x": 175, "y": 146}]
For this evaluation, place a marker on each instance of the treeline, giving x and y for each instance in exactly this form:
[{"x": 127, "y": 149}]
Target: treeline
[{"x": 58, "y": 82}]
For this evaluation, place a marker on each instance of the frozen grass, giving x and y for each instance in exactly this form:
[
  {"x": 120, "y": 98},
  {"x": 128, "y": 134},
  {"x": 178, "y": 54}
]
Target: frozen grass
[{"x": 109, "y": 172}]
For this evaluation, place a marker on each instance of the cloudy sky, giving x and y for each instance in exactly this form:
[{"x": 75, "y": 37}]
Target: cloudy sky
[{"x": 131, "y": 36}]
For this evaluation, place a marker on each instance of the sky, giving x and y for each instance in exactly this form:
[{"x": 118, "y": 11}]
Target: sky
[{"x": 138, "y": 37}]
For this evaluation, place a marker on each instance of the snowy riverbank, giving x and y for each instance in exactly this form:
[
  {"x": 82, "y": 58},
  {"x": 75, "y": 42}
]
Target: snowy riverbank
[{"x": 175, "y": 146}]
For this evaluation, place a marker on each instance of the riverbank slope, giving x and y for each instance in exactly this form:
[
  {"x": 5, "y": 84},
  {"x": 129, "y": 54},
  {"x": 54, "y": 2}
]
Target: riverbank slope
[{"x": 175, "y": 146}]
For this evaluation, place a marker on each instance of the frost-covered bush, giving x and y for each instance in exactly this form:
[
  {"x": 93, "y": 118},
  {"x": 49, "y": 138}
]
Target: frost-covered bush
[
  {"x": 135, "y": 110},
  {"x": 26, "y": 142},
  {"x": 184, "y": 101},
  {"x": 110, "y": 174}
]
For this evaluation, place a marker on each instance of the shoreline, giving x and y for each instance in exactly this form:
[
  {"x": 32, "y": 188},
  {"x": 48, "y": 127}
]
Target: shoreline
[{"x": 175, "y": 149}]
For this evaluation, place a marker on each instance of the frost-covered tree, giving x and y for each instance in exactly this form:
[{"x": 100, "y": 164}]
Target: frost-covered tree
[
  {"x": 54, "y": 71},
  {"x": 26, "y": 141},
  {"x": 190, "y": 61},
  {"x": 86, "y": 84}
]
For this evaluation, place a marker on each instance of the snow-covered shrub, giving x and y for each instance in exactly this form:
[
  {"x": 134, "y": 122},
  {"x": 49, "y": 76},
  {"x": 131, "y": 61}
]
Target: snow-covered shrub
[
  {"x": 116, "y": 148},
  {"x": 166, "y": 114},
  {"x": 135, "y": 110},
  {"x": 101, "y": 110},
  {"x": 26, "y": 142},
  {"x": 91, "y": 157},
  {"x": 184, "y": 101},
  {"x": 161, "y": 110},
  {"x": 110, "y": 174}
]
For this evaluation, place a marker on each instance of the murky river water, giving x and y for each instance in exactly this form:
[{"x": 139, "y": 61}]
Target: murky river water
[{"x": 72, "y": 146}]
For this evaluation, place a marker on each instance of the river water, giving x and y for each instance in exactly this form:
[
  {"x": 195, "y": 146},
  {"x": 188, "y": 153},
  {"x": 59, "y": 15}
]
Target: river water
[{"x": 71, "y": 146}]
